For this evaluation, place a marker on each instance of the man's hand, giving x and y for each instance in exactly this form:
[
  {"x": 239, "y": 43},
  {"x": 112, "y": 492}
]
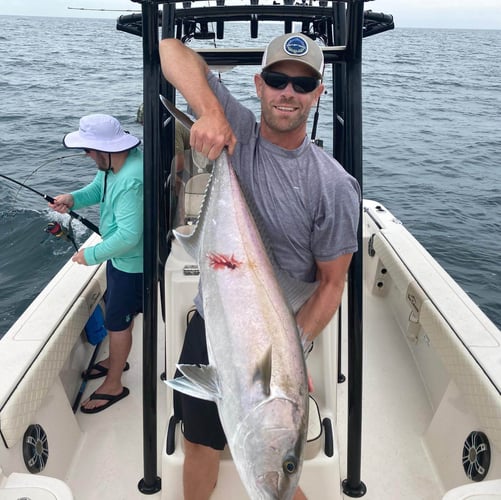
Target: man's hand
[
  {"x": 210, "y": 134},
  {"x": 62, "y": 203},
  {"x": 79, "y": 258}
]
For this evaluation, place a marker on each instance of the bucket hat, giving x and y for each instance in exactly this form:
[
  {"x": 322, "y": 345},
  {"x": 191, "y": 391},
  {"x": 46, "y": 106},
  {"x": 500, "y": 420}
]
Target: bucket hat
[
  {"x": 294, "y": 47},
  {"x": 101, "y": 133}
]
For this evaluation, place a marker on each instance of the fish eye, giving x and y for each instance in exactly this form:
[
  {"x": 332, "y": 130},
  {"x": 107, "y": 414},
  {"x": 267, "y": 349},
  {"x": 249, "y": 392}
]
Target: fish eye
[{"x": 290, "y": 465}]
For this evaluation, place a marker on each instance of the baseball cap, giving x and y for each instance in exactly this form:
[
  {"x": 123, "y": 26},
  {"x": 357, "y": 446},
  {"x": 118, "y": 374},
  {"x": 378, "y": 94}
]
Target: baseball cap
[{"x": 294, "y": 47}]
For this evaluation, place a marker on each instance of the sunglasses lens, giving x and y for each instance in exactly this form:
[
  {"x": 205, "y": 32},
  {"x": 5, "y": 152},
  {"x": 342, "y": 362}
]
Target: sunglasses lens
[
  {"x": 275, "y": 80},
  {"x": 304, "y": 84},
  {"x": 301, "y": 84}
]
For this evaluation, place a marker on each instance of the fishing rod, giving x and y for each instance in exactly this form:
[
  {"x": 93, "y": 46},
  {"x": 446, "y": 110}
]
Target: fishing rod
[
  {"x": 104, "y": 10},
  {"x": 83, "y": 220}
]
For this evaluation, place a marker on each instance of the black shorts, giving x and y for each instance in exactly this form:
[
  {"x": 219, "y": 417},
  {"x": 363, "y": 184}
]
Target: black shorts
[
  {"x": 200, "y": 418},
  {"x": 123, "y": 298}
]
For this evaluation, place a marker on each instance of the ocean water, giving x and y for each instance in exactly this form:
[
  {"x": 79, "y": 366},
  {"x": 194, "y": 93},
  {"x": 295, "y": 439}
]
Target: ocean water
[{"x": 432, "y": 139}]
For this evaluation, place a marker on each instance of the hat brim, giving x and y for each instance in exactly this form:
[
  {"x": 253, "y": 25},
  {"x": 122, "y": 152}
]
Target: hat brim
[
  {"x": 288, "y": 59},
  {"x": 74, "y": 140}
]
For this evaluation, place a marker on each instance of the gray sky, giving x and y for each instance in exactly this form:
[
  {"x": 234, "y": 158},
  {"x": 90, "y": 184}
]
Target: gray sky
[{"x": 481, "y": 14}]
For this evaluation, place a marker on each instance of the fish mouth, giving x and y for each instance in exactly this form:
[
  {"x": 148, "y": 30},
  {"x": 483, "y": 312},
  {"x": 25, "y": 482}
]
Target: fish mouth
[
  {"x": 268, "y": 474},
  {"x": 269, "y": 483},
  {"x": 275, "y": 487}
]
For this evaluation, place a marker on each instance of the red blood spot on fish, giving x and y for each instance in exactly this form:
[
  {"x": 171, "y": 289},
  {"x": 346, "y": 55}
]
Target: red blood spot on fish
[{"x": 220, "y": 261}]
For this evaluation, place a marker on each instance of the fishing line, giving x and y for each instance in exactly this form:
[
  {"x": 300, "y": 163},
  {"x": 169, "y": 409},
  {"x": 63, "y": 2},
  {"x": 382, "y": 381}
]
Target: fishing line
[
  {"x": 50, "y": 160},
  {"x": 83, "y": 220}
]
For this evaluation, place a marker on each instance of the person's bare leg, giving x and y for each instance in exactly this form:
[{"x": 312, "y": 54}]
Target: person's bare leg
[
  {"x": 120, "y": 345},
  {"x": 201, "y": 468}
]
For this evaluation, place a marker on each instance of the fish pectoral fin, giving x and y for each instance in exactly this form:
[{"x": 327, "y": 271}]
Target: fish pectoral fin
[
  {"x": 263, "y": 372},
  {"x": 186, "y": 386},
  {"x": 296, "y": 292},
  {"x": 204, "y": 378},
  {"x": 305, "y": 342}
]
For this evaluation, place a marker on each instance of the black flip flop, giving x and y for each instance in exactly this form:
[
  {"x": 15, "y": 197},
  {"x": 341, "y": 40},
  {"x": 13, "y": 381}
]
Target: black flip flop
[
  {"x": 105, "y": 397},
  {"x": 102, "y": 371}
]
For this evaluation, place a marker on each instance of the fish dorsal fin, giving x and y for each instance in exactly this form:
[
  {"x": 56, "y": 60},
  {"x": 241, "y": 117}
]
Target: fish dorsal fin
[
  {"x": 263, "y": 371},
  {"x": 188, "y": 237},
  {"x": 200, "y": 381}
]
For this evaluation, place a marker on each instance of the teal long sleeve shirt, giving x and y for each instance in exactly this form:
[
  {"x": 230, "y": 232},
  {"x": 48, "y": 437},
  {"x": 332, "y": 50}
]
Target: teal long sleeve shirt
[{"x": 121, "y": 215}]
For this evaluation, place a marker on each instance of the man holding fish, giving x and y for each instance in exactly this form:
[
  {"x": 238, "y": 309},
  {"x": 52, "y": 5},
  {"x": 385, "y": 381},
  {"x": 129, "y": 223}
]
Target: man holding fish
[{"x": 307, "y": 208}]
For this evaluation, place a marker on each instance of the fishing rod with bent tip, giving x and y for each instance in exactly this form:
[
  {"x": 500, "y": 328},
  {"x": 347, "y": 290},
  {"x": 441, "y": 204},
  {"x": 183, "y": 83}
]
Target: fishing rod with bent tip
[
  {"x": 72, "y": 214},
  {"x": 48, "y": 162},
  {"x": 55, "y": 229}
]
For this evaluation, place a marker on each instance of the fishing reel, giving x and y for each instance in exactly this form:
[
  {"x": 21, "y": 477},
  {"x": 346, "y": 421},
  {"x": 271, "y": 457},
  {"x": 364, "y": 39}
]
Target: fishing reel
[{"x": 56, "y": 229}]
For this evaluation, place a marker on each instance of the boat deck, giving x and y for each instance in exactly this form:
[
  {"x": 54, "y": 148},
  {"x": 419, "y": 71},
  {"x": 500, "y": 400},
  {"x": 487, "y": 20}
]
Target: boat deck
[
  {"x": 396, "y": 413},
  {"x": 117, "y": 432}
]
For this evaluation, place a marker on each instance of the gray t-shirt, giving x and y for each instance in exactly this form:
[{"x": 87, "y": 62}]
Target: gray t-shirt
[{"x": 306, "y": 203}]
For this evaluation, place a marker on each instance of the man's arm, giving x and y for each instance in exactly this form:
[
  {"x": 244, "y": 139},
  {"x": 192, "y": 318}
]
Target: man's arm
[
  {"x": 319, "y": 309},
  {"x": 187, "y": 72},
  {"x": 128, "y": 210}
]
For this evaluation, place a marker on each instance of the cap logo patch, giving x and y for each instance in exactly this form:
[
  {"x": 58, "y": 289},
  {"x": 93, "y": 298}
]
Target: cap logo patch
[{"x": 295, "y": 46}]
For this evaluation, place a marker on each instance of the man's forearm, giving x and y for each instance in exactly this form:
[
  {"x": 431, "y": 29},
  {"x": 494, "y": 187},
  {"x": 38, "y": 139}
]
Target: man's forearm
[
  {"x": 319, "y": 309},
  {"x": 187, "y": 72},
  {"x": 316, "y": 313}
]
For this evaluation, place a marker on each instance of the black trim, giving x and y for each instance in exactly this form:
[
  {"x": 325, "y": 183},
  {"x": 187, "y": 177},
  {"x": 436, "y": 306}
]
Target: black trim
[{"x": 152, "y": 194}]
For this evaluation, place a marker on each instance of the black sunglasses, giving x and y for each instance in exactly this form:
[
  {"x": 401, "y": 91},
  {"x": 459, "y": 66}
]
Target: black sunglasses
[{"x": 301, "y": 84}]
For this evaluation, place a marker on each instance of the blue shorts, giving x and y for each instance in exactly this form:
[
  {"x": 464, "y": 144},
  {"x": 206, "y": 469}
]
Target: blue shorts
[
  {"x": 123, "y": 298},
  {"x": 200, "y": 418}
]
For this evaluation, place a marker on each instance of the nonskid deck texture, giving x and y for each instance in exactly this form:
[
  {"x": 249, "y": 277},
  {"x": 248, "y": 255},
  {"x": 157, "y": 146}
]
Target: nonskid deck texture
[
  {"x": 396, "y": 412},
  {"x": 109, "y": 464},
  {"x": 424, "y": 393}
]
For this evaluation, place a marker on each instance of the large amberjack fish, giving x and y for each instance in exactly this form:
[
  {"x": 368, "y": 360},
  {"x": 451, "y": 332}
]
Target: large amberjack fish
[{"x": 256, "y": 374}]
